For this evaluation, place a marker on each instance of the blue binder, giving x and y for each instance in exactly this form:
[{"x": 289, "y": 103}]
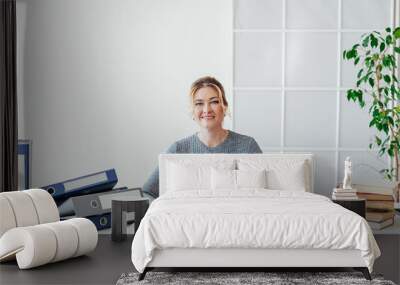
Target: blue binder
[
  {"x": 101, "y": 221},
  {"x": 87, "y": 184}
]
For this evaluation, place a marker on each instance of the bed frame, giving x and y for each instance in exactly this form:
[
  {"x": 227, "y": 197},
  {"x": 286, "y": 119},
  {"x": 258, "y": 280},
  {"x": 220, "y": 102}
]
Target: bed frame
[{"x": 241, "y": 259}]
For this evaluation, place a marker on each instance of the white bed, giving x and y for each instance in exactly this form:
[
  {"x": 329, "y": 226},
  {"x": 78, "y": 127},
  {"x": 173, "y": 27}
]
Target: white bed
[{"x": 201, "y": 220}]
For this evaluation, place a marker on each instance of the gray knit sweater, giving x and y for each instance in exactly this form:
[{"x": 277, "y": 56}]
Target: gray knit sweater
[{"x": 234, "y": 143}]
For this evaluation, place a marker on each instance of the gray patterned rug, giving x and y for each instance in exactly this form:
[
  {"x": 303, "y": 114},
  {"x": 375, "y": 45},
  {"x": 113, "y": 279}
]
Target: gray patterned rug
[{"x": 230, "y": 278}]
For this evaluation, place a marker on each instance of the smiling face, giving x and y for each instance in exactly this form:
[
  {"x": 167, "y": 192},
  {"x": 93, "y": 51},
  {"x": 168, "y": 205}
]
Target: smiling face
[{"x": 208, "y": 108}]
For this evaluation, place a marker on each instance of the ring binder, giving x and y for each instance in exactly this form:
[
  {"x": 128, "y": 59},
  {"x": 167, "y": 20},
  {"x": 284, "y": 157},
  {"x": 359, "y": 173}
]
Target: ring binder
[{"x": 91, "y": 183}]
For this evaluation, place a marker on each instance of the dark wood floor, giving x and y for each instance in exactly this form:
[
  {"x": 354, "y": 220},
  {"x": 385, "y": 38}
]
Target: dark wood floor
[{"x": 102, "y": 266}]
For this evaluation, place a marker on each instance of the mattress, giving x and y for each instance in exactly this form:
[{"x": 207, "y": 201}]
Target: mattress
[{"x": 250, "y": 219}]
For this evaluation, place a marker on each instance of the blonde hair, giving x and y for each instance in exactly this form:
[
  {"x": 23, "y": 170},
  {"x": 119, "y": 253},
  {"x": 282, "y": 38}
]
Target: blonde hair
[{"x": 208, "y": 81}]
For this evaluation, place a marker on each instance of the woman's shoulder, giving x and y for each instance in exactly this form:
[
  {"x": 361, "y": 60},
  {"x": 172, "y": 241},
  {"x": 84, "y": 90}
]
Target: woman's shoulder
[
  {"x": 240, "y": 137},
  {"x": 247, "y": 143},
  {"x": 183, "y": 145}
]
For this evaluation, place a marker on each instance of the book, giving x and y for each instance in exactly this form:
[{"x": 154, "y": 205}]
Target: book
[
  {"x": 380, "y": 205},
  {"x": 376, "y": 189},
  {"x": 342, "y": 194},
  {"x": 375, "y": 197},
  {"x": 334, "y": 197},
  {"x": 341, "y": 190},
  {"x": 379, "y": 216},
  {"x": 381, "y": 225}
]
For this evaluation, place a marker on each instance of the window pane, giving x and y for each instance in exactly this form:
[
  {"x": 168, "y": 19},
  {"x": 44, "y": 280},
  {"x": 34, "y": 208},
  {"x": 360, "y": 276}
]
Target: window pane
[
  {"x": 308, "y": 14},
  {"x": 258, "y": 59},
  {"x": 258, "y": 114}
]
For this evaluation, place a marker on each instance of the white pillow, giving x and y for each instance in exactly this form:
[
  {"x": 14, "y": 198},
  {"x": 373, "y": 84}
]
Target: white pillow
[
  {"x": 237, "y": 179},
  {"x": 282, "y": 174},
  {"x": 223, "y": 179},
  {"x": 184, "y": 177},
  {"x": 251, "y": 178},
  {"x": 193, "y": 173}
]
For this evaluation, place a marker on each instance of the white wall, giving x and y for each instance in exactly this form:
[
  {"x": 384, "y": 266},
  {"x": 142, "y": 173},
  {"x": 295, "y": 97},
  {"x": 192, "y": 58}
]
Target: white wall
[
  {"x": 105, "y": 83},
  {"x": 290, "y": 82}
]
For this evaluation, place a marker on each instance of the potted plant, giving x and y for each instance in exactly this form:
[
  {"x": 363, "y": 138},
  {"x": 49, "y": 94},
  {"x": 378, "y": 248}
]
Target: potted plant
[{"x": 375, "y": 59}]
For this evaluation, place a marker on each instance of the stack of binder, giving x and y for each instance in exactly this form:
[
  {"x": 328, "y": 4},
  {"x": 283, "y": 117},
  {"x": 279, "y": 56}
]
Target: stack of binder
[{"x": 90, "y": 196}]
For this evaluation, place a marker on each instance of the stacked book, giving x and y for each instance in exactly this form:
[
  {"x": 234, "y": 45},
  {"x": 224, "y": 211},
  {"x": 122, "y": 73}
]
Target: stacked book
[
  {"x": 344, "y": 194},
  {"x": 380, "y": 205}
]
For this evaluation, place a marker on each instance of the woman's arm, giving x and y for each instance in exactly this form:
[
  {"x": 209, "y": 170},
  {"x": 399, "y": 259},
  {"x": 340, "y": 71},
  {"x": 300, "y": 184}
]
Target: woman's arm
[
  {"x": 151, "y": 186},
  {"x": 254, "y": 147}
]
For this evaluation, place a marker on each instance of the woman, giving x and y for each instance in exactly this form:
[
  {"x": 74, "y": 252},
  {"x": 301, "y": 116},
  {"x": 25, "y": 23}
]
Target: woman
[{"x": 209, "y": 107}]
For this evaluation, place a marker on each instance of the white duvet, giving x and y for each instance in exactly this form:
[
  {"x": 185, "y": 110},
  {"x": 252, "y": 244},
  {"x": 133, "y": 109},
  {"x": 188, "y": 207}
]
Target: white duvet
[{"x": 250, "y": 218}]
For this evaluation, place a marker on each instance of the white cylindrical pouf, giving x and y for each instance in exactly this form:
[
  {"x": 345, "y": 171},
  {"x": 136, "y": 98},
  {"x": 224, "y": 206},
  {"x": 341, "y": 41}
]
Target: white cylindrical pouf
[
  {"x": 23, "y": 208},
  {"x": 87, "y": 234},
  {"x": 45, "y": 205},
  {"x": 67, "y": 239},
  {"x": 33, "y": 246},
  {"x": 7, "y": 218}
]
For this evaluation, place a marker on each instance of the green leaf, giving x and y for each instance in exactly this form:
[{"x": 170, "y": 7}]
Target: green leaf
[
  {"x": 350, "y": 94},
  {"x": 391, "y": 121},
  {"x": 351, "y": 54},
  {"x": 396, "y": 33},
  {"x": 371, "y": 107},
  {"x": 386, "y": 91},
  {"x": 356, "y": 60},
  {"x": 374, "y": 41},
  {"x": 359, "y": 95},
  {"x": 378, "y": 140},
  {"x": 397, "y": 49},
  {"x": 386, "y": 78},
  {"x": 393, "y": 89},
  {"x": 392, "y": 60},
  {"x": 371, "y": 82},
  {"x": 388, "y": 29},
  {"x": 344, "y": 54},
  {"x": 385, "y": 128},
  {"x": 360, "y": 73},
  {"x": 365, "y": 41},
  {"x": 372, "y": 123},
  {"x": 386, "y": 61},
  {"x": 369, "y": 62},
  {"x": 389, "y": 39},
  {"x": 382, "y": 47}
]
